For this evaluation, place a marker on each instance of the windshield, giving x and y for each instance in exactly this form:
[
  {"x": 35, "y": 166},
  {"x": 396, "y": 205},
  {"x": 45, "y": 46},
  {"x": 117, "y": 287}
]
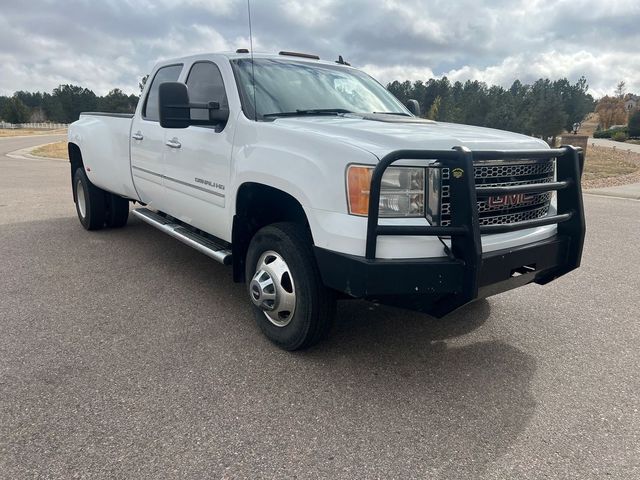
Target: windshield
[{"x": 293, "y": 87}]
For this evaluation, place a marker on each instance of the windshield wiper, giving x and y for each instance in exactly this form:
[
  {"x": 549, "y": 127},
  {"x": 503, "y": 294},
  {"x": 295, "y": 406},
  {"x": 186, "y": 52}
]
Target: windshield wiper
[
  {"x": 315, "y": 111},
  {"x": 393, "y": 113}
]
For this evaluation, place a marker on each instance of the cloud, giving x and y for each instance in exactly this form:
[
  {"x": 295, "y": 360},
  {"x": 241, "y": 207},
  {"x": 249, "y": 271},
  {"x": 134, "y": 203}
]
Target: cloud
[{"x": 112, "y": 43}]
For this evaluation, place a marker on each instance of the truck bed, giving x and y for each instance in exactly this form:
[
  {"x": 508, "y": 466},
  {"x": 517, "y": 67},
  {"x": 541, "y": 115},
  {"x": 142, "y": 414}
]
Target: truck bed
[{"x": 104, "y": 139}]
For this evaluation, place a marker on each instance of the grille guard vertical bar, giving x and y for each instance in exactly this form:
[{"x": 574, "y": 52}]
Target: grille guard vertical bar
[
  {"x": 570, "y": 201},
  {"x": 464, "y": 211}
]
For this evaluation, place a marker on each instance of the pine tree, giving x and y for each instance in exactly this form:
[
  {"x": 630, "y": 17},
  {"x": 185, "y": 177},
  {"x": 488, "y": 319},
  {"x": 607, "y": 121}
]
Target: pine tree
[
  {"x": 634, "y": 124},
  {"x": 547, "y": 116},
  {"x": 15, "y": 111}
]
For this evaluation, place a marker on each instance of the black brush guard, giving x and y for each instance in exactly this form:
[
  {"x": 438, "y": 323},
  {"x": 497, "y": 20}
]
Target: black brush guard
[{"x": 439, "y": 286}]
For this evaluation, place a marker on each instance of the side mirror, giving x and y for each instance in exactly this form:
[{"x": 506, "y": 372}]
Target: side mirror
[
  {"x": 414, "y": 107},
  {"x": 175, "y": 108},
  {"x": 173, "y": 99}
]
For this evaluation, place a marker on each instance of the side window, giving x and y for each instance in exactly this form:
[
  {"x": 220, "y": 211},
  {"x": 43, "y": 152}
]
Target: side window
[
  {"x": 151, "y": 110},
  {"x": 205, "y": 85}
]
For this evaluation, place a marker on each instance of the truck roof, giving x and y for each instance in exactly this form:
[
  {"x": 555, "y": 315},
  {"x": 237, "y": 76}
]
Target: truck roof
[{"x": 242, "y": 53}]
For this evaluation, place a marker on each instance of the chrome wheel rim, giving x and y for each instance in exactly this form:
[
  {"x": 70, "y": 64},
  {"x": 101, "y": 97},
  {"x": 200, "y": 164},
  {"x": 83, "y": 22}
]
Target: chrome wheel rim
[
  {"x": 82, "y": 202},
  {"x": 272, "y": 289}
]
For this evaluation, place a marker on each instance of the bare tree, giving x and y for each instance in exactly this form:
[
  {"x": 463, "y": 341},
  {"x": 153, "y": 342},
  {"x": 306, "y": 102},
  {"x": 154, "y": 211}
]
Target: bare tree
[
  {"x": 143, "y": 82},
  {"x": 611, "y": 111}
]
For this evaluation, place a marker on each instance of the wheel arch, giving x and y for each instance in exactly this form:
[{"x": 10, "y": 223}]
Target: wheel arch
[
  {"x": 258, "y": 205},
  {"x": 75, "y": 161}
]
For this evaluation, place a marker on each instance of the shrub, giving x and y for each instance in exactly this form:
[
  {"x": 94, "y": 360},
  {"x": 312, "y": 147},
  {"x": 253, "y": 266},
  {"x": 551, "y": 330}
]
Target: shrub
[
  {"x": 619, "y": 136},
  {"x": 610, "y": 133},
  {"x": 634, "y": 124}
]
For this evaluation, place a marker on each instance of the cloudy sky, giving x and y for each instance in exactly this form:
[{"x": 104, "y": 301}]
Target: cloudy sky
[{"x": 103, "y": 44}]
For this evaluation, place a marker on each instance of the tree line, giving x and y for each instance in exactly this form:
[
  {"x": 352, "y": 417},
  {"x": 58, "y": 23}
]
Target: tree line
[
  {"x": 63, "y": 104},
  {"x": 545, "y": 108}
]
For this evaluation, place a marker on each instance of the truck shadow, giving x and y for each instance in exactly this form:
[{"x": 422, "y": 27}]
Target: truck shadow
[{"x": 358, "y": 320}]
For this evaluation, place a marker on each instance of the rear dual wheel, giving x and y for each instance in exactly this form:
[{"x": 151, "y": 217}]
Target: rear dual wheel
[{"x": 97, "y": 208}]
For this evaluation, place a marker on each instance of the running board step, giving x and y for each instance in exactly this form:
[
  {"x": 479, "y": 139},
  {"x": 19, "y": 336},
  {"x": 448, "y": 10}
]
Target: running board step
[{"x": 202, "y": 244}]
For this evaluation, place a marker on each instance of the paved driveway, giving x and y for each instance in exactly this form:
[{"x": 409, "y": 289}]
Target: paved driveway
[{"x": 125, "y": 354}]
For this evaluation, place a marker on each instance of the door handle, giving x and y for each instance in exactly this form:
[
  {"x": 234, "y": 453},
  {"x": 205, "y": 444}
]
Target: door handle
[
  {"x": 138, "y": 135},
  {"x": 173, "y": 143}
]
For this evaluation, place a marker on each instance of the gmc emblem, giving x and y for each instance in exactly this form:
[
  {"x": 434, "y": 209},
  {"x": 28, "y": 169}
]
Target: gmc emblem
[{"x": 509, "y": 200}]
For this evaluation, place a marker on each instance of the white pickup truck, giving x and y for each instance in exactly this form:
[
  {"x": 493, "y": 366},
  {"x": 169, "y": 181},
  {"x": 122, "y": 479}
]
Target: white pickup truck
[{"x": 316, "y": 184}]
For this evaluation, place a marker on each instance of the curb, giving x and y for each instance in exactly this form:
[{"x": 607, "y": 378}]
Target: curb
[
  {"x": 25, "y": 154},
  {"x": 614, "y": 194}
]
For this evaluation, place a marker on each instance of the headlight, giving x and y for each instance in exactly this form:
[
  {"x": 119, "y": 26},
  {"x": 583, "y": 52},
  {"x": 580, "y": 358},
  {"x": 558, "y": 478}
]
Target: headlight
[{"x": 401, "y": 194}]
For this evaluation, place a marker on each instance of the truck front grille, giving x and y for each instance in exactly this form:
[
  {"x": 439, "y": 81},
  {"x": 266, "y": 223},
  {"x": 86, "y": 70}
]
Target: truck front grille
[{"x": 507, "y": 209}]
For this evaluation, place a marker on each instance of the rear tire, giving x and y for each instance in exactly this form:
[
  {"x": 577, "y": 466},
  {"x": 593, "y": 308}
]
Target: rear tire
[
  {"x": 118, "y": 211},
  {"x": 97, "y": 208},
  {"x": 90, "y": 201},
  {"x": 292, "y": 306}
]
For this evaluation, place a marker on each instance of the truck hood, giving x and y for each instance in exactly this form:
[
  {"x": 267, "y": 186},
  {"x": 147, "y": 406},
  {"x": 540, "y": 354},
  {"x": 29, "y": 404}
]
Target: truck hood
[{"x": 381, "y": 134}]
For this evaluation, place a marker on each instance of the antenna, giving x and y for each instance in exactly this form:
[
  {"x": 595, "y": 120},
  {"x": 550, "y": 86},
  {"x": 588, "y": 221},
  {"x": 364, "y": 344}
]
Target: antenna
[{"x": 253, "y": 71}]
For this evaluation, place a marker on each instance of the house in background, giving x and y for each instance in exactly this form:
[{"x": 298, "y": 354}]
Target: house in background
[{"x": 631, "y": 102}]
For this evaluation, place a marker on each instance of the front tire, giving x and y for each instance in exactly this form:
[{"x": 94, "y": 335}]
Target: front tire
[{"x": 292, "y": 306}]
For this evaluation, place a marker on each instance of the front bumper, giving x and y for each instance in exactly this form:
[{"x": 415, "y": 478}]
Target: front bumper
[
  {"x": 440, "y": 285},
  {"x": 435, "y": 286}
]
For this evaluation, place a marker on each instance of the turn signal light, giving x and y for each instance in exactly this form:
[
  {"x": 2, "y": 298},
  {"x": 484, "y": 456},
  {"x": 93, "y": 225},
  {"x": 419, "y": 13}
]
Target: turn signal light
[{"x": 358, "y": 186}]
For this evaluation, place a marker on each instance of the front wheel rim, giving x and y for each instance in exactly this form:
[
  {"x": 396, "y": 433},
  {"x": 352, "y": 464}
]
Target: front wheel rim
[
  {"x": 272, "y": 289},
  {"x": 81, "y": 200}
]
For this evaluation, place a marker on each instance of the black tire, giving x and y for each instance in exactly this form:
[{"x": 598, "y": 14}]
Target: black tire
[
  {"x": 90, "y": 203},
  {"x": 117, "y": 211},
  {"x": 315, "y": 305}
]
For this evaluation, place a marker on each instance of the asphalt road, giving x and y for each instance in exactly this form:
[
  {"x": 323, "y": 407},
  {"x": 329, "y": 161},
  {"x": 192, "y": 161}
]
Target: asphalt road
[{"x": 125, "y": 354}]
